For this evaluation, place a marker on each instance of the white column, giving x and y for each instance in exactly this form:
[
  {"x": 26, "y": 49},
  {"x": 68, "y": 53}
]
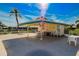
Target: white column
[
  {"x": 41, "y": 35},
  {"x": 41, "y": 32},
  {"x": 27, "y": 31}
]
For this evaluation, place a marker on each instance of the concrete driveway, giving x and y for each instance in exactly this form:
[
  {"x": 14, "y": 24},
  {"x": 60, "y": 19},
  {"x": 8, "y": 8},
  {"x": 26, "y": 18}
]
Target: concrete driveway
[
  {"x": 27, "y": 47},
  {"x": 34, "y": 47}
]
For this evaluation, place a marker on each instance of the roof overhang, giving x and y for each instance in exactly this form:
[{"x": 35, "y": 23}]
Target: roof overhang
[{"x": 46, "y": 21}]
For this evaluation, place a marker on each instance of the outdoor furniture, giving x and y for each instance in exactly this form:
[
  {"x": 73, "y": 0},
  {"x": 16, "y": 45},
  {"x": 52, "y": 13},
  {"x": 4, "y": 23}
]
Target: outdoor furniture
[
  {"x": 55, "y": 34},
  {"x": 73, "y": 38},
  {"x": 66, "y": 35}
]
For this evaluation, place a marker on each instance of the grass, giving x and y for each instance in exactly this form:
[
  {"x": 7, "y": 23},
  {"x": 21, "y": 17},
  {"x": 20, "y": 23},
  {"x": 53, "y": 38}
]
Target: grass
[
  {"x": 74, "y": 32},
  {"x": 14, "y": 32}
]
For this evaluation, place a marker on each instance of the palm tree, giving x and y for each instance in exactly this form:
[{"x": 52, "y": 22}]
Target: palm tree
[
  {"x": 15, "y": 12},
  {"x": 77, "y": 22}
]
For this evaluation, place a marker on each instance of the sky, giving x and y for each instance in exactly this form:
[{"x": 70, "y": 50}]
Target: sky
[{"x": 59, "y": 12}]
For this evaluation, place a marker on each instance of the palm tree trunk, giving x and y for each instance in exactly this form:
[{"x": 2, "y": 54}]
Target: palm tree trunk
[{"x": 17, "y": 21}]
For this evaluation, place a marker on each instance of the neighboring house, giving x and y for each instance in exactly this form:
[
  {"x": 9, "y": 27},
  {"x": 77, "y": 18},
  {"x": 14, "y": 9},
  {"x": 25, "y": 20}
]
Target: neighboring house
[
  {"x": 74, "y": 25},
  {"x": 47, "y": 26},
  {"x": 2, "y": 26}
]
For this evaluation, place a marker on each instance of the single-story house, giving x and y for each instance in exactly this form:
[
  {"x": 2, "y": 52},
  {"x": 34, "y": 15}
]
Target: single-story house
[{"x": 46, "y": 26}]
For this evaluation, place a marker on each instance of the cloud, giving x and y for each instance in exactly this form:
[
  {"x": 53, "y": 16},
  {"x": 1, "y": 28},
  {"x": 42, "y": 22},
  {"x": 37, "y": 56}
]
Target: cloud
[
  {"x": 31, "y": 12},
  {"x": 72, "y": 19},
  {"x": 60, "y": 21},
  {"x": 32, "y": 16},
  {"x": 23, "y": 19},
  {"x": 39, "y": 6},
  {"x": 29, "y": 4},
  {"x": 43, "y": 8},
  {"x": 67, "y": 19},
  {"x": 4, "y": 14},
  {"x": 55, "y": 19}
]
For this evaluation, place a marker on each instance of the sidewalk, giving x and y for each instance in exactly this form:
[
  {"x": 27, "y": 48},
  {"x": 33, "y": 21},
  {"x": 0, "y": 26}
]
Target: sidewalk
[
  {"x": 20, "y": 35},
  {"x": 2, "y": 50},
  {"x": 77, "y": 53}
]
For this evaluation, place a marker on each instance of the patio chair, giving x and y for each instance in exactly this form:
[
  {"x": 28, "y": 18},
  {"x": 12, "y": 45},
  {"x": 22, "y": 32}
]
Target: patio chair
[{"x": 72, "y": 39}]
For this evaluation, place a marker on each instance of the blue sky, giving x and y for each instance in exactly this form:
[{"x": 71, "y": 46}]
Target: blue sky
[{"x": 59, "y": 12}]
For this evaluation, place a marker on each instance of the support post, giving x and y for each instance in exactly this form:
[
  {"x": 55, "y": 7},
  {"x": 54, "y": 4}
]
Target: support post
[
  {"x": 41, "y": 35},
  {"x": 27, "y": 31}
]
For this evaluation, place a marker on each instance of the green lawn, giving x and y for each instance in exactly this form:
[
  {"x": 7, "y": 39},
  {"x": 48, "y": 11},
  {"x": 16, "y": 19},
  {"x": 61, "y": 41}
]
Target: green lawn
[{"x": 74, "y": 32}]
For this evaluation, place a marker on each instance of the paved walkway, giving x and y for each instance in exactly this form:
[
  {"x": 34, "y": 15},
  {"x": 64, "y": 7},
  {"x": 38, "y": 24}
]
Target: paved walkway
[
  {"x": 2, "y": 50},
  {"x": 77, "y": 53},
  {"x": 10, "y": 36}
]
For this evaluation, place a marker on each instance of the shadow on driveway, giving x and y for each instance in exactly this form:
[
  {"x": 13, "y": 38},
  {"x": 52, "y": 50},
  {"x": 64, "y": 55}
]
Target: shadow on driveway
[{"x": 39, "y": 53}]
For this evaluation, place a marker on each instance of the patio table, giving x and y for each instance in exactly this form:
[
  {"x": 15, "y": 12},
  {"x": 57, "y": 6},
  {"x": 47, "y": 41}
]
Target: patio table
[{"x": 73, "y": 38}]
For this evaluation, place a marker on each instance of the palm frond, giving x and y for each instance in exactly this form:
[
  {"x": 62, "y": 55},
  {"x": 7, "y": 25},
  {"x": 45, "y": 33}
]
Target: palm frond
[
  {"x": 19, "y": 15},
  {"x": 11, "y": 13},
  {"x": 77, "y": 21}
]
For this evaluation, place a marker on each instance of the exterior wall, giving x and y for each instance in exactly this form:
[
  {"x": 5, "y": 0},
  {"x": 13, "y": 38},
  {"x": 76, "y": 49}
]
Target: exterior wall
[
  {"x": 60, "y": 29},
  {"x": 56, "y": 28},
  {"x": 34, "y": 24},
  {"x": 51, "y": 27},
  {"x": 47, "y": 26}
]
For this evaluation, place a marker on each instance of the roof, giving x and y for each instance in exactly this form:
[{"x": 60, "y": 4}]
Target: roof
[{"x": 38, "y": 21}]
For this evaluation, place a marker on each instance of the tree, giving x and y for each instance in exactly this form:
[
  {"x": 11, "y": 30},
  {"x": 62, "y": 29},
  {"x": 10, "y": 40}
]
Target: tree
[
  {"x": 2, "y": 26},
  {"x": 15, "y": 12},
  {"x": 77, "y": 22}
]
